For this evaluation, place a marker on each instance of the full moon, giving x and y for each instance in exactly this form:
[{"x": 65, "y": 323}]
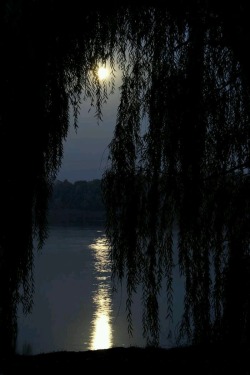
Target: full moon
[{"x": 102, "y": 73}]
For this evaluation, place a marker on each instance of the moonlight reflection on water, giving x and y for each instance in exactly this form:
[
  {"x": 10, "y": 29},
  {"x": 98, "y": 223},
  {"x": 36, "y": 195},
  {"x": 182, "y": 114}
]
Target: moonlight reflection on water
[
  {"x": 75, "y": 307},
  {"x": 101, "y": 325}
]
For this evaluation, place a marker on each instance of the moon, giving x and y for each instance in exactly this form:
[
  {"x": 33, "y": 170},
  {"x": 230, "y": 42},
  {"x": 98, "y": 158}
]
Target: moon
[{"x": 102, "y": 73}]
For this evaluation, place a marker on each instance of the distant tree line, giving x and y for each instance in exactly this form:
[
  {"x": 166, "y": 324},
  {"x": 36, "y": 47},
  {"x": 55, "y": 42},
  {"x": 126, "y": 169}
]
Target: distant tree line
[{"x": 76, "y": 203}]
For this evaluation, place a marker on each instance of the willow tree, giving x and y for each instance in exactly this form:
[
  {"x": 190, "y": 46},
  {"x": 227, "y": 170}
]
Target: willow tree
[
  {"x": 50, "y": 53},
  {"x": 179, "y": 156},
  {"x": 179, "y": 162}
]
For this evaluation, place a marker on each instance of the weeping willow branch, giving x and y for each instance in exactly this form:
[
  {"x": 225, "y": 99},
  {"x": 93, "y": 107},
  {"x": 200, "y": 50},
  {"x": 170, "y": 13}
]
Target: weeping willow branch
[
  {"x": 183, "y": 117},
  {"x": 182, "y": 133}
]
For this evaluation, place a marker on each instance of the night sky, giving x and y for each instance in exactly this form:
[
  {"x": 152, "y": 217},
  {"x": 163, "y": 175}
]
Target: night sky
[{"x": 86, "y": 150}]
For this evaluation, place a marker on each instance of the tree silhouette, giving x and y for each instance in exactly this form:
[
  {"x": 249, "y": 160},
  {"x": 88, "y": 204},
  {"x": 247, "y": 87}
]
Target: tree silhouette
[
  {"x": 180, "y": 161},
  {"x": 48, "y": 59},
  {"x": 179, "y": 157}
]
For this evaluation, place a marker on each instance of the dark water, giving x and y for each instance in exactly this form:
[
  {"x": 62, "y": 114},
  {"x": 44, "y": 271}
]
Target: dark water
[{"x": 74, "y": 308}]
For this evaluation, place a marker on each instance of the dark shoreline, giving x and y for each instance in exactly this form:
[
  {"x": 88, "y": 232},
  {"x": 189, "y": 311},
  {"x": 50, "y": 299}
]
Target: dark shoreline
[{"x": 183, "y": 360}]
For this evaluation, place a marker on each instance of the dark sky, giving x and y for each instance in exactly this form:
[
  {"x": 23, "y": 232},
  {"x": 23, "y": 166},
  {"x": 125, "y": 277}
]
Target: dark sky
[{"x": 86, "y": 151}]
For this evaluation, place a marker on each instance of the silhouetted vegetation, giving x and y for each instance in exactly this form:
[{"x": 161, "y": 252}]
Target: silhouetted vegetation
[
  {"x": 186, "y": 168},
  {"x": 180, "y": 153},
  {"x": 78, "y": 203},
  {"x": 83, "y": 195}
]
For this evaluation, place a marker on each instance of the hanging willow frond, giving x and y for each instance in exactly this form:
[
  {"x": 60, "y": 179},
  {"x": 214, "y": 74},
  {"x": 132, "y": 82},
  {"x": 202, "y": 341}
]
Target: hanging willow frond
[
  {"x": 178, "y": 158},
  {"x": 177, "y": 161}
]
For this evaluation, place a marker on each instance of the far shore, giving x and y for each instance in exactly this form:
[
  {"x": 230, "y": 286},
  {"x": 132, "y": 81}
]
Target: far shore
[{"x": 66, "y": 216}]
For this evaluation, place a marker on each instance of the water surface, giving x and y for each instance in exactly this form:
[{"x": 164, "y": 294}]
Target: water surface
[{"x": 74, "y": 308}]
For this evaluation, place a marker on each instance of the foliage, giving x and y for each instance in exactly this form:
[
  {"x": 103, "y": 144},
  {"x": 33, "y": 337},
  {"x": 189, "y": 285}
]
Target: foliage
[
  {"x": 179, "y": 156},
  {"x": 79, "y": 203},
  {"x": 82, "y": 195},
  {"x": 180, "y": 159},
  {"x": 44, "y": 68}
]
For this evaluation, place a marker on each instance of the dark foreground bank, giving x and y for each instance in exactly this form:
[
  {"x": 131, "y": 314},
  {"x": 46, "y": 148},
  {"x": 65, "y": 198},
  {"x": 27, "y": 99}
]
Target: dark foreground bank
[{"x": 185, "y": 360}]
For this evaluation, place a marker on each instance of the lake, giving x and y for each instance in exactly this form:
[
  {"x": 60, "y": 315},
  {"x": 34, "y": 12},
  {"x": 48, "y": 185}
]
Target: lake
[{"x": 74, "y": 308}]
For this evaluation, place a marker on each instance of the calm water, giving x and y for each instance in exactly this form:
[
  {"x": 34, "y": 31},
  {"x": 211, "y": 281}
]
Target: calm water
[{"x": 74, "y": 308}]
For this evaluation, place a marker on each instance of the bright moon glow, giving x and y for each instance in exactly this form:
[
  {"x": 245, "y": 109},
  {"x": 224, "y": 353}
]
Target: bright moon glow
[
  {"x": 102, "y": 73},
  {"x": 102, "y": 333}
]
